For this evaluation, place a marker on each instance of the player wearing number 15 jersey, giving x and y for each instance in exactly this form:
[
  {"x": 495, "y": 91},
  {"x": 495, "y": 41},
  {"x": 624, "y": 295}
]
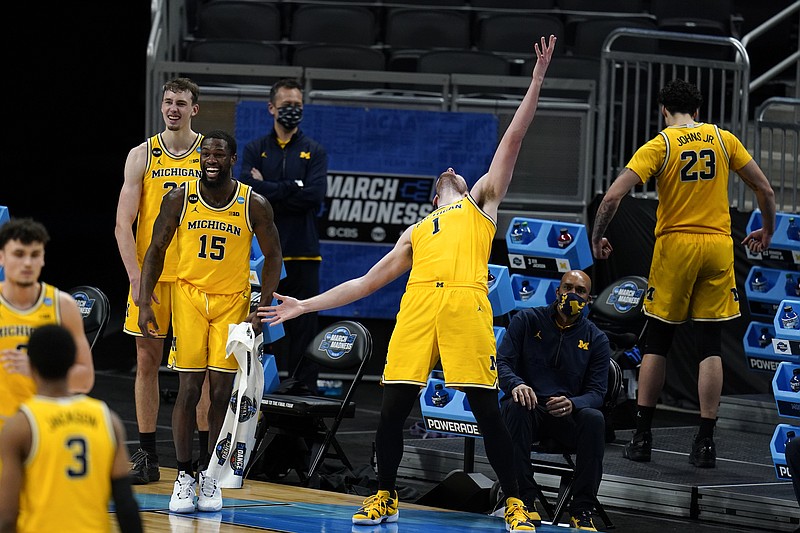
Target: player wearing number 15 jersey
[
  {"x": 691, "y": 275},
  {"x": 213, "y": 221}
]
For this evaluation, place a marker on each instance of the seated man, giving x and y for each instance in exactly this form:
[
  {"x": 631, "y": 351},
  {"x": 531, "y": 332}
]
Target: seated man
[{"x": 553, "y": 368}]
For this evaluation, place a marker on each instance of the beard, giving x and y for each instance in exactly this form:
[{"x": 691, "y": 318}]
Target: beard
[{"x": 211, "y": 184}]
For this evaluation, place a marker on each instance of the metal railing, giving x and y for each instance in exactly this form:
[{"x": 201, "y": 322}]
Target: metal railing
[{"x": 777, "y": 151}]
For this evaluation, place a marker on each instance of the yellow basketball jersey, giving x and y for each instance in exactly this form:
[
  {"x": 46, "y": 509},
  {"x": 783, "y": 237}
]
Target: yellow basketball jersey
[
  {"x": 214, "y": 243},
  {"x": 67, "y": 484},
  {"x": 164, "y": 172},
  {"x": 16, "y": 326},
  {"x": 692, "y": 164},
  {"x": 452, "y": 244}
]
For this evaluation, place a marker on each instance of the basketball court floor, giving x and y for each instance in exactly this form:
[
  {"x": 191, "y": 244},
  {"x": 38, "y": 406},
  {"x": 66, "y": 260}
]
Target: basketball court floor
[{"x": 668, "y": 485}]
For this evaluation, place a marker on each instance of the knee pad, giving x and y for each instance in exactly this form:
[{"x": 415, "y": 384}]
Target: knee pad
[
  {"x": 659, "y": 337},
  {"x": 708, "y": 336}
]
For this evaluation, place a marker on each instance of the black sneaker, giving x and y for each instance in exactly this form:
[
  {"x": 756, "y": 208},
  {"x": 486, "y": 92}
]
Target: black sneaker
[
  {"x": 144, "y": 468},
  {"x": 638, "y": 449},
  {"x": 704, "y": 453},
  {"x": 582, "y": 520}
]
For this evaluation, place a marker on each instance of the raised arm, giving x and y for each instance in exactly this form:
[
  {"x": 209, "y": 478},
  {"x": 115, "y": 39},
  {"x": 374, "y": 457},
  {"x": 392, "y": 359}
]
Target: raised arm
[
  {"x": 163, "y": 231},
  {"x": 127, "y": 211},
  {"x": 388, "y": 269},
  {"x": 601, "y": 248},
  {"x": 269, "y": 241},
  {"x": 491, "y": 188},
  {"x": 760, "y": 239}
]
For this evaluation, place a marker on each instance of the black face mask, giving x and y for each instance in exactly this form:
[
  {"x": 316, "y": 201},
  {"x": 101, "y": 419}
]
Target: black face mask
[
  {"x": 571, "y": 304},
  {"x": 290, "y": 116}
]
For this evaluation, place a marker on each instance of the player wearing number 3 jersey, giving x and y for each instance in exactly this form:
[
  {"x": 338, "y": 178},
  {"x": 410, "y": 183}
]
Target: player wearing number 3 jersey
[{"x": 691, "y": 275}]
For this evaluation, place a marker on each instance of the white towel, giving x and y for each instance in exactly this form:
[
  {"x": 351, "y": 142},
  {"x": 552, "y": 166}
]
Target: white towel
[{"x": 238, "y": 434}]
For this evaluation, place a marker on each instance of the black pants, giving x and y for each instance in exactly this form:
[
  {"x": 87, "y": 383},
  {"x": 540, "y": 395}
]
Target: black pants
[
  {"x": 583, "y": 432},
  {"x": 301, "y": 282}
]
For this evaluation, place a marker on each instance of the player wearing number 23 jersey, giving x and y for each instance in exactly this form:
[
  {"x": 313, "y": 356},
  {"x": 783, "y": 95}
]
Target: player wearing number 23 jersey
[{"x": 691, "y": 163}]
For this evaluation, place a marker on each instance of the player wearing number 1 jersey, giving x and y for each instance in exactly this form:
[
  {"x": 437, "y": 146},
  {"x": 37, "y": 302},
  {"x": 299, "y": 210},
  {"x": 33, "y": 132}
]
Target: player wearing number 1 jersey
[
  {"x": 445, "y": 314},
  {"x": 691, "y": 275}
]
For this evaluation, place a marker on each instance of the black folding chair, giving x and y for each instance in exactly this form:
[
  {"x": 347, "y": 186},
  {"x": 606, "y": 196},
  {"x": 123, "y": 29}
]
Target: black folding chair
[
  {"x": 341, "y": 346},
  {"x": 95, "y": 311}
]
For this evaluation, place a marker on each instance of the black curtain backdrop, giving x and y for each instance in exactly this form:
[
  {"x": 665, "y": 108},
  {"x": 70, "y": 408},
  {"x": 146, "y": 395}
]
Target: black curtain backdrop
[{"x": 631, "y": 233}]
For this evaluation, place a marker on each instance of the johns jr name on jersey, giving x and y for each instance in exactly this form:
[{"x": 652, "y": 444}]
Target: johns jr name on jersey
[{"x": 690, "y": 137}]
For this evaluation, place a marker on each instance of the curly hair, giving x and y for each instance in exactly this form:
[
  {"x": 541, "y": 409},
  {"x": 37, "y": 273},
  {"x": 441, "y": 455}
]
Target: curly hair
[
  {"x": 24, "y": 230},
  {"x": 680, "y": 96}
]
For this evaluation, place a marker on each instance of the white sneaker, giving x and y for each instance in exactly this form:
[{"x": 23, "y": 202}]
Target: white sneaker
[
  {"x": 209, "y": 497},
  {"x": 182, "y": 500}
]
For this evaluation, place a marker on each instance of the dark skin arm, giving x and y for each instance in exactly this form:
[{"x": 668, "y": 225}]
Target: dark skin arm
[
  {"x": 163, "y": 232},
  {"x": 263, "y": 220},
  {"x": 15, "y": 445}
]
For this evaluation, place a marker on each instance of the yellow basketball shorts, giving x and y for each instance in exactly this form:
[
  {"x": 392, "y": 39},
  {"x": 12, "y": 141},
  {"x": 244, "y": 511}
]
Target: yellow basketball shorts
[
  {"x": 200, "y": 326},
  {"x": 451, "y": 324},
  {"x": 692, "y": 277},
  {"x": 162, "y": 310}
]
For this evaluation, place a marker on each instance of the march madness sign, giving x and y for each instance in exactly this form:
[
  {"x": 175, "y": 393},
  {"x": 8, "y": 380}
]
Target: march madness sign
[{"x": 373, "y": 208}]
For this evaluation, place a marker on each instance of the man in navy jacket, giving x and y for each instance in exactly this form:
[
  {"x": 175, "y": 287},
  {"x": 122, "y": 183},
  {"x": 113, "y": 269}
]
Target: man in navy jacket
[
  {"x": 553, "y": 369},
  {"x": 291, "y": 171}
]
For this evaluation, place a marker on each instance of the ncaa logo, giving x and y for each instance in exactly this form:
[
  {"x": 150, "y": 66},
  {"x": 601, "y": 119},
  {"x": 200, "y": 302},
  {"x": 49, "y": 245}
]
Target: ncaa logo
[
  {"x": 337, "y": 342},
  {"x": 223, "y": 449},
  {"x": 247, "y": 409},
  {"x": 85, "y": 304},
  {"x": 625, "y": 296},
  {"x": 378, "y": 234}
]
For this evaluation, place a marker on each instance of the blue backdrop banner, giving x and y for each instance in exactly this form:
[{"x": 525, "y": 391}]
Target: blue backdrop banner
[{"x": 401, "y": 147}]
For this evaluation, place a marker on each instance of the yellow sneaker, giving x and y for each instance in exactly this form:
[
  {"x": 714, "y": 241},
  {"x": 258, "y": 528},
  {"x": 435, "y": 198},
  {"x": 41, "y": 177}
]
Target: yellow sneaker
[
  {"x": 517, "y": 516},
  {"x": 583, "y": 521},
  {"x": 382, "y": 507}
]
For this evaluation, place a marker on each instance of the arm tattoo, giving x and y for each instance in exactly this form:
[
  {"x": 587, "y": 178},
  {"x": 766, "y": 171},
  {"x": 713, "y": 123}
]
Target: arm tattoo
[{"x": 601, "y": 221}]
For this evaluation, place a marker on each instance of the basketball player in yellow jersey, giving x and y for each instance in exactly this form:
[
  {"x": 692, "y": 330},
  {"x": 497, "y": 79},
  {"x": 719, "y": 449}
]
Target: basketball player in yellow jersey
[
  {"x": 64, "y": 455},
  {"x": 26, "y": 304},
  {"x": 691, "y": 276},
  {"x": 161, "y": 163},
  {"x": 213, "y": 220},
  {"x": 444, "y": 314}
]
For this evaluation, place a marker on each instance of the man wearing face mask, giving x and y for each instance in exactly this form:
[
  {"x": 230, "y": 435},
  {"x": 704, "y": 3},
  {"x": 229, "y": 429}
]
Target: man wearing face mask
[
  {"x": 291, "y": 171},
  {"x": 553, "y": 369}
]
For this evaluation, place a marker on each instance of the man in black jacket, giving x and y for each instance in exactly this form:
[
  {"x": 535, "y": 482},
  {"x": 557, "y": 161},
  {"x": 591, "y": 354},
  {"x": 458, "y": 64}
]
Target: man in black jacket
[
  {"x": 553, "y": 369},
  {"x": 291, "y": 171}
]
